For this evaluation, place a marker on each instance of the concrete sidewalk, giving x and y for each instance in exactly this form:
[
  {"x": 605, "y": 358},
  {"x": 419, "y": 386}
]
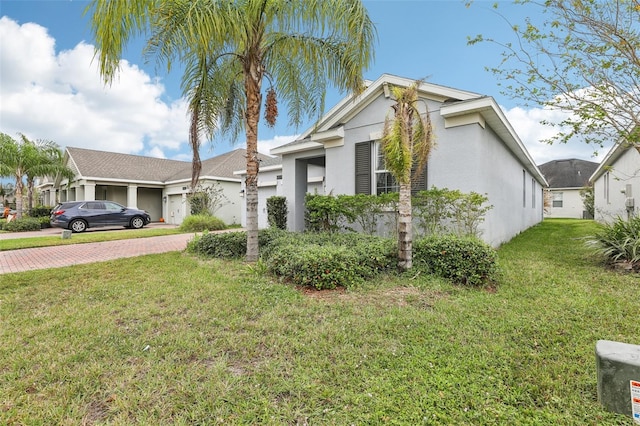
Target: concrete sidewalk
[{"x": 75, "y": 254}]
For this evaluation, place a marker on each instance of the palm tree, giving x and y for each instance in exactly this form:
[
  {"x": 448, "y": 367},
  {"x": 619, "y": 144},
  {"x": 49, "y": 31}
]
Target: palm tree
[
  {"x": 407, "y": 140},
  {"x": 29, "y": 159},
  {"x": 47, "y": 160},
  {"x": 230, "y": 48}
]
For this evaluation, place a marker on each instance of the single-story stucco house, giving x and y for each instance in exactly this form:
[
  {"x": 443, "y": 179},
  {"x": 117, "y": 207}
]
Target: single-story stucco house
[
  {"x": 616, "y": 184},
  {"x": 157, "y": 185},
  {"x": 476, "y": 150},
  {"x": 566, "y": 179}
]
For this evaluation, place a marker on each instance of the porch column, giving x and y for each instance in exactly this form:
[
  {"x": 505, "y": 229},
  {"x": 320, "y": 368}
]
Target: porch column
[
  {"x": 132, "y": 195},
  {"x": 300, "y": 191},
  {"x": 89, "y": 191}
]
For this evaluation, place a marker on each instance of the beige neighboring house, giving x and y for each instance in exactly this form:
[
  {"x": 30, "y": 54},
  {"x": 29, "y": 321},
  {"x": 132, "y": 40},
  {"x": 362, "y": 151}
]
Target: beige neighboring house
[
  {"x": 157, "y": 185},
  {"x": 566, "y": 179}
]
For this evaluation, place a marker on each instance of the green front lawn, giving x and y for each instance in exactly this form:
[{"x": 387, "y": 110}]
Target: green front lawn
[
  {"x": 173, "y": 339},
  {"x": 93, "y": 236}
]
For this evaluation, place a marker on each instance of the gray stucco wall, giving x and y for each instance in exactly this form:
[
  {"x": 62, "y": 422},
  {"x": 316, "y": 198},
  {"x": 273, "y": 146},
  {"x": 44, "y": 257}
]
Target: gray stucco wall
[
  {"x": 467, "y": 158},
  {"x": 625, "y": 171}
]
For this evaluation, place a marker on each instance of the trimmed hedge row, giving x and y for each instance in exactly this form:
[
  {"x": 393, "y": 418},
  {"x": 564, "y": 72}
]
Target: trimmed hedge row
[{"x": 330, "y": 260}]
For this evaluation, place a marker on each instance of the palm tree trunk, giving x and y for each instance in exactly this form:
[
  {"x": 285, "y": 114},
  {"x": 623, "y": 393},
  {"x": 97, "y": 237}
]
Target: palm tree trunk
[
  {"x": 29, "y": 195},
  {"x": 19, "y": 187},
  {"x": 253, "y": 82},
  {"x": 405, "y": 237}
]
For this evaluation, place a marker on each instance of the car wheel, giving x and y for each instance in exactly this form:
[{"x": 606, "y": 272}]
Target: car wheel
[
  {"x": 137, "y": 222},
  {"x": 78, "y": 225}
]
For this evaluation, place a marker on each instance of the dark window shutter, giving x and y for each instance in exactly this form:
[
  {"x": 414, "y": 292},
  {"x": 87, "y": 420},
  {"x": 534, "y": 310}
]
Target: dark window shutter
[
  {"x": 419, "y": 182},
  {"x": 363, "y": 168}
]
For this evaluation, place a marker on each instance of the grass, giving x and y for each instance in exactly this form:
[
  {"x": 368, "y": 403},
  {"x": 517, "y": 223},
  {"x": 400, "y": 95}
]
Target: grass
[
  {"x": 216, "y": 342},
  {"x": 93, "y": 236}
]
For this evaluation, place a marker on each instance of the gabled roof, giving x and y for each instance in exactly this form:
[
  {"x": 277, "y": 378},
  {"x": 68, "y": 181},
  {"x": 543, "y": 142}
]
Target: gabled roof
[
  {"x": 568, "y": 173},
  {"x": 113, "y": 165},
  {"x": 455, "y": 103},
  {"x": 612, "y": 156},
  {"x": 352, "y": 104},
  {"x": 104, "y": 165}
]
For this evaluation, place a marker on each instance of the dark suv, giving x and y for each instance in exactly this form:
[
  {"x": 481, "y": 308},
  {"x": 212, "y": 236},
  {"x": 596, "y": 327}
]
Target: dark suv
[{"x": 80, "y": 215}]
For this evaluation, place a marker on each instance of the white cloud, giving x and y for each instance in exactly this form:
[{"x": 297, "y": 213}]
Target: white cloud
[
  {"x": 526, "y": 123},
  {"x": 61, "y": 97},
  {"x": 266, "y": 145}
]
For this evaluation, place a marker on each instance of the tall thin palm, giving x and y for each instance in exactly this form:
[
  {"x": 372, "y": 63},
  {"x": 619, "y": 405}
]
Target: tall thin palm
[
  {"x": 229, "y": 48},
  {"x": 407, "y": 141}
]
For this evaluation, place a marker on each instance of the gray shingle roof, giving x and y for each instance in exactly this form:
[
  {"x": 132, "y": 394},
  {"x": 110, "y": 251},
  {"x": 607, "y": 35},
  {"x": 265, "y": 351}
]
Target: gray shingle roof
[
  {"x": 570, "y": 173},
  {"x": 113, "y": 165}
]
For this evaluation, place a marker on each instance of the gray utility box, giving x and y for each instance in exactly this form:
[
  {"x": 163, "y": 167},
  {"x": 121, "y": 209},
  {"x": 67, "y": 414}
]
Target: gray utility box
[{"x": 618, "y": 364}]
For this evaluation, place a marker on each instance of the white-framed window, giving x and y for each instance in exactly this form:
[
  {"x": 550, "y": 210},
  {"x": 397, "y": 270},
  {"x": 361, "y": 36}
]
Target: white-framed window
[
  {"x": 385, "y": 182},
  {"x": 557, "y": 200},
  {"x": 371, "y": 176}
]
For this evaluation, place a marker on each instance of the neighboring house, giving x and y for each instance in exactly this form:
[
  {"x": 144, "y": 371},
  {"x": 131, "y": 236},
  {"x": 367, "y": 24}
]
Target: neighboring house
[
  {"x": 616, "y": 184},
  {"x": 566, "y": 179},
  {"x": 476, "y": 150},
  {"x": 157, "y": 185}
]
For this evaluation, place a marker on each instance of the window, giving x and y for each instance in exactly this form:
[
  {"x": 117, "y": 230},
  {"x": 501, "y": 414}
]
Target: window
[
  {"x": 533, "y": 193},
  {"x": 524, "y": 189},
  {"x": 557, "y": 199},
  {"x": 385, "y": 182},
  {"x": 369, "y": 166}
]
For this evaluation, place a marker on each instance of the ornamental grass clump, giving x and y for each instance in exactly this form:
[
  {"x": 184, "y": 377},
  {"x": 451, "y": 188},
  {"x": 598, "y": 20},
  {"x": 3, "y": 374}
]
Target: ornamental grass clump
[
  {"x": 202, "y": 222},
  {"x": 619, "y": 243}
]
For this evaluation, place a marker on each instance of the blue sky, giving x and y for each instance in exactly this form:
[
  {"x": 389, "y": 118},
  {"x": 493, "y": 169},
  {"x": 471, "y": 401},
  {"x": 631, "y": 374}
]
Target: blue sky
[{"x": 50, "y": 89}]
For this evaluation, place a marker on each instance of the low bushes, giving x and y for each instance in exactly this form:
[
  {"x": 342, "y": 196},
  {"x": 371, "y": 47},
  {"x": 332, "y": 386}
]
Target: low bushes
[
  {"x": 202, "y": 222},
  {"x": 463, "y": 260},
  {"x": 330, "y": 260},
  {"x": 327, "y": 261},
  {"x": 23, "y": 225},
  {"x": 229, "y": 245}
]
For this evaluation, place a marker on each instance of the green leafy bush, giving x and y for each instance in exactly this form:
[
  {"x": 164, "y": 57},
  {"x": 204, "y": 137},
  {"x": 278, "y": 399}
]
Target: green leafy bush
[
  {"x": 22, "y": 225},
  {"x": 329, "y": 260},
  {"x": 44, "y": 222},
  {"x": 445, "y": 211},
  {"x": 277, "y": 212},
  {"x": 201, "y": 222},
  {"x": 464, "y": 260},
  {"x": 619, "y": 242},
  {"x": 41, "y": 211},
  {"x": 230, "y": 245}
]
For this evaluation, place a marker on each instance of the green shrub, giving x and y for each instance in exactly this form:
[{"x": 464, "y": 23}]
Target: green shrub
[
  {"x": 22, "y": 225},
  {"x": 230, "y": 245},
  {"x": 44, "y": 222},
  {"x": 464, "y": 260},
  {"x": 327, "y": 213},
  {"x": 619, "y": 242},
  {"x": 277, "y": 212},
  {"x": 201, "y": 222},
  {"x": 41, "y": 211},
  {"x": 328, "y": 260},
  {"x": 445, "y": 211}
]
